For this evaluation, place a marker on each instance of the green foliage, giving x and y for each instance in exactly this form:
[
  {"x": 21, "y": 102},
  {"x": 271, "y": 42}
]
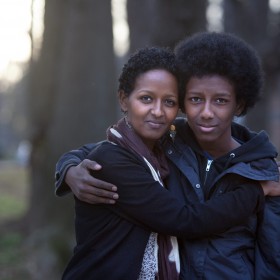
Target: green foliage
[
  {"x": 9, "y": 244},
  {"x": 13, "y": 187},
  {"x": 11, "y": 257},
  {"x": 13, "y": 204},
  {"x": 11, "y": 207}
]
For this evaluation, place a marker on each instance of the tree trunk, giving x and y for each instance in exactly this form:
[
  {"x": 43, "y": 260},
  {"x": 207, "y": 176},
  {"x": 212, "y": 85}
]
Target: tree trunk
[
  {"x": 164, "y": 22},
  {"x": 249, "y": 20},
  {"x": 72, "y": 102}
]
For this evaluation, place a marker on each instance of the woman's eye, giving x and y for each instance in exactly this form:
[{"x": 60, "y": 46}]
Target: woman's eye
[
  {"x": 146, "y": 98},
  {"x": 170, "y": 102}
]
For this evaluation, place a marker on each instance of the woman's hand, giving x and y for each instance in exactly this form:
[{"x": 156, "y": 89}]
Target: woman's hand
[
  {"x": 271, "y": 188},
  {"x": 87, "y": 188}
]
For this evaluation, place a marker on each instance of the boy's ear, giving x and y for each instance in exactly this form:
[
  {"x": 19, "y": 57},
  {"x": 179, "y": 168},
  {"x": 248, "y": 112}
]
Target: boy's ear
[
  {"x": 123, "y": 98},
  {"x": 239, "y": 108}
]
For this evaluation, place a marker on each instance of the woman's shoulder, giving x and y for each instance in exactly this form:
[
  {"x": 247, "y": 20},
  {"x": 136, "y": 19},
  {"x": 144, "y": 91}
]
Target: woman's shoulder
[{"x": 109, "y": 151}]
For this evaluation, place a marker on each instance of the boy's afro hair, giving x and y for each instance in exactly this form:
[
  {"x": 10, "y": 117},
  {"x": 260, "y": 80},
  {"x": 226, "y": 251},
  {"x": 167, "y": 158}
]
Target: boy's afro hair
[{"x": 211, "y": 53}]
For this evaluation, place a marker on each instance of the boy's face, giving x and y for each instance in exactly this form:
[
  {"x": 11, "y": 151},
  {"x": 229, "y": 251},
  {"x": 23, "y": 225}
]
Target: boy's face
[{"x": 210, "y": 106}]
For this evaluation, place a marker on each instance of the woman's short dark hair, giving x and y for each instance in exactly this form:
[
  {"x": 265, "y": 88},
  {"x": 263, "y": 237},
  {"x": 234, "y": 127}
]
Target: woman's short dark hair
[
  {"x": 144, "y": 60},
  {"x": 211, "y": 53}
]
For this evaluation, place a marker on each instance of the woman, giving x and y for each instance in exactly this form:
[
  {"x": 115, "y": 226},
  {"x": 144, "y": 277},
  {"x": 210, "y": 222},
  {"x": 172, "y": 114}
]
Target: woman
[{"x": 119, "y": 241}]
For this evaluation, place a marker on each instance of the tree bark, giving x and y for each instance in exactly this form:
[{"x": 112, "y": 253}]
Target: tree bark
[
  {"x": 164, "y": 22},
  {"x": 72, "y": 102},
  {"x": 249, "y": 20}
]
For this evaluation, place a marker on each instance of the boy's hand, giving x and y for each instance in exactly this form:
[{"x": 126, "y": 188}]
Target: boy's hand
[{"x": 87, "y": 188}]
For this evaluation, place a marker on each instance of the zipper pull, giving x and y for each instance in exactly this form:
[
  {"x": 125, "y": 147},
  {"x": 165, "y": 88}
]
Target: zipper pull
[{"x": 209, "y": 162}]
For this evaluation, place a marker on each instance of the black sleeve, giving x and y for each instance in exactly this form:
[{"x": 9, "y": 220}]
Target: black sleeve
[
  {"x": 267, "y": 249},
  {"x": 143, "y": 201},
  {"x": 71, "y": 158}
]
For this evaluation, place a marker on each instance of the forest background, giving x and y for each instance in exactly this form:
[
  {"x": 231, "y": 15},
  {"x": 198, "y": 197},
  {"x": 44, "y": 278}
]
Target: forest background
[{"x": 63, "y": 94}]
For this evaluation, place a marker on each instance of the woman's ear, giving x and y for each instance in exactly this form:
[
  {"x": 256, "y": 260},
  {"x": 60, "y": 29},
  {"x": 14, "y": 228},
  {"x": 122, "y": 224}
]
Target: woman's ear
[{"x": 123, "y": 98}]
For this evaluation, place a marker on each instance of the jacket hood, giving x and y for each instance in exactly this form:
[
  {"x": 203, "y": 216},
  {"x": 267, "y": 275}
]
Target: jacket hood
[{"x": 255, "y": 145}]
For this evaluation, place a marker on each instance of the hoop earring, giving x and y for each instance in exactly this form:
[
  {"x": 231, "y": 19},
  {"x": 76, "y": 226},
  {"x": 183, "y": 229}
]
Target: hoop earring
[{"x": 126, "y": 120}]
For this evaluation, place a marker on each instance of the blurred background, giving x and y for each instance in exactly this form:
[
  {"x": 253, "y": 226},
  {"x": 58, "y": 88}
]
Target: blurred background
[{"x": 59, "y": 63}]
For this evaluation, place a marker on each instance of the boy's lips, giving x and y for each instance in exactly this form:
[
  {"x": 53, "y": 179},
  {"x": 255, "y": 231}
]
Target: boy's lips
[{"x": 206, "y": 128}]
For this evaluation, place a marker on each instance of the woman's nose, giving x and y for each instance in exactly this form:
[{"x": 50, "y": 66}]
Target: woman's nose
[{"x": 157, "y": 109}]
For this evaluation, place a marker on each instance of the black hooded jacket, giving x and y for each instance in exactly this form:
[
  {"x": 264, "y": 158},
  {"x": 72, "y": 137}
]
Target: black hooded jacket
[{"x": 249, "y": 251}]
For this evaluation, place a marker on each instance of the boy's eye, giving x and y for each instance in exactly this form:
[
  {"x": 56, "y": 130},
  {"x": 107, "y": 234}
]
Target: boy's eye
[
  {"x": 195, "y": 99},
  {"x": 221, "y": 100}
]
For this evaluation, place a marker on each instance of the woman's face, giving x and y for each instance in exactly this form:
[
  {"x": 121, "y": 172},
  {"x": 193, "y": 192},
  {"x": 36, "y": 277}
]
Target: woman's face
[
  {"x": 152, "y": 106},
  {"x": 210, "y": 105}
]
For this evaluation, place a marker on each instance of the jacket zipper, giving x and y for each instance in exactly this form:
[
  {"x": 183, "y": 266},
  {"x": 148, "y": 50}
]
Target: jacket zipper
[{"x": 209, "y": 162}]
